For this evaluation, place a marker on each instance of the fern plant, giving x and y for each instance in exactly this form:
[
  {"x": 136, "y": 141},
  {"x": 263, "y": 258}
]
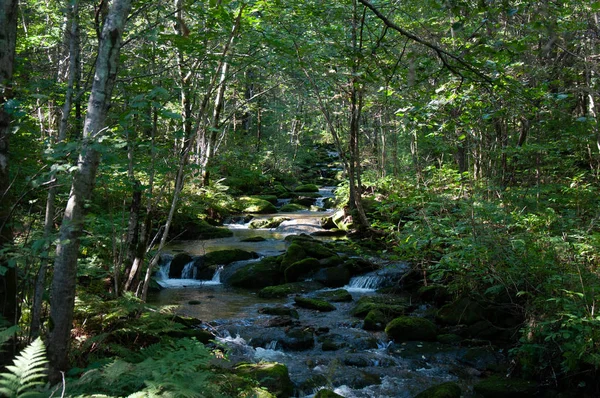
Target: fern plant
[{"x": 24, "y": 378}]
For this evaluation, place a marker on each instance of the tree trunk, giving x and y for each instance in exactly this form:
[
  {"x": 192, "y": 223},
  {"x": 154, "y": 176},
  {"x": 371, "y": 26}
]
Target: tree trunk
[
  {"x": 62, "y": 296},
  {"x": 72, "y": 37},
  {"x": 8, "y": 281}
]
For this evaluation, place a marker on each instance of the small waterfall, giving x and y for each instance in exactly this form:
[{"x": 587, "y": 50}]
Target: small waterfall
[
  {"x": 189, "y": 271},
  {"x": 163, "y": 270},
  {"x": 366, "y": 283},
  {"x": 217, "y": 276}
]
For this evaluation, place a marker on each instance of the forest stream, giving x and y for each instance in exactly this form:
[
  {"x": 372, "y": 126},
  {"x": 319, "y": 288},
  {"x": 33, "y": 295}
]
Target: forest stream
[{"x": 321, "y": 349}]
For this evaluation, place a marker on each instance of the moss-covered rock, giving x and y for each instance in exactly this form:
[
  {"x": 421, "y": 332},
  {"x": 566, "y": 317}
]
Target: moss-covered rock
[
  {"x": 269, "y": 198},
  {"x": 449, "y": 338},
  {"x": 293, "y": 254},
  {"x": 307, "y": 188},
  {"x": 280, "y": 311},
  {"x": 314, "y": 304},
  {"x": 178, "y": 263},
  {"x": 292, "y": 208},
  {"x": 273, "y": 222},
  {"x": 303, "y": 201},
  {"x": 342, "y": 221},
  {"x": 436, "y": 294},
  {"x": 336, "y": 296},
  {"x": 224, "y": 257},
  {"x": 247, "y": 204},
  {"x": 301, "y": 268},
  {"x": 327, "y": 394},
  {"x": 375, "y": 320},
  {"x": 327, "y": 223},
  {"x": 408, "y": 328},
  {"x": 286, "y": 289},
  {"x": 444, "y": 390},
  {"x": 298, "y": 339},
  {"x": 197, "y": 229},
  {"x": 391, "y": 306},
  {"x": 272, "y": 376},
  {"x": 257, "y": 275},
  {"x": 333, "y": 276},
  {"x": 500, "y": 387},
  {"x": 462, "y": 311},
  {"x": 358, "y": 266},
  {"x": 254, "y": 239}
]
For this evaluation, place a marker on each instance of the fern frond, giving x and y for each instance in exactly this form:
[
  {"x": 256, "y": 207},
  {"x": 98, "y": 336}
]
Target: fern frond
[
  {"x": 27, "y": 372},
  {"x": 6, "y": 334}
]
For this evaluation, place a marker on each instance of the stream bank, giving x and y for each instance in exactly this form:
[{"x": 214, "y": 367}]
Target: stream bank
[{"x": 302, "y": 302}]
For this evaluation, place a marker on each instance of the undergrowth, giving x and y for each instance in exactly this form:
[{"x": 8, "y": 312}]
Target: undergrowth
[{"x": 538, "y": 253}]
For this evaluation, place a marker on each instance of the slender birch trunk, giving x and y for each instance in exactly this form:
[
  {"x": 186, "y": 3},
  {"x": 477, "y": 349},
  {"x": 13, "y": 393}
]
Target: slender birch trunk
[
  {"x": 72, "y": 36},
  {"x": 62, "y": 298}
]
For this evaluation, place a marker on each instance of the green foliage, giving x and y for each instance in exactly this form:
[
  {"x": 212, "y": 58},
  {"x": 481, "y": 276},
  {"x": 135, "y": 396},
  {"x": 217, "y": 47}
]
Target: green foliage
[
  {"x": 171, "y": 369},
  {"x": 25, "y": 377}
]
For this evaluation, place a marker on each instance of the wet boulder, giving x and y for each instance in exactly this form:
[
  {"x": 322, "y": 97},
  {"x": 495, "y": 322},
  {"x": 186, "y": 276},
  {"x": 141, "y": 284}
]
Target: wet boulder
[
  {"x": 255, "y": 275},
  {"x": 444, "y": 390},
  {"x": 300, "y": 269},
  {"x": 178, "y": 263},
  {"x": 286, "y": 289},
  {"x": 197, "y": 229},
  {"x": 293, "y": 254},
  {"x": 324, "y": 393},
  {"x": 247, "y": 204},
  {"x": 224, "y": 257},
  {"x": 389, "y": 305},
  {"x": 333, "y": 276},
  {"x": 336, "y": 296},
  {"x": 269, "y": 198},
  {"x": 304, "y": 201},
  {"x": 375, "y": 320},
  {"x": 273, "y": 222},
  {"x": 253, "y": 239},
  {"x": 272, "y": 376},
  {"x": 279, "y": 311},
  {"x": 298, "y": 339},
  {"x": 292, "y": 208},
  {"x": 314, "y": 304},
  {"x": 408, "y": 328},
  {"x": 307, "y": 188}
]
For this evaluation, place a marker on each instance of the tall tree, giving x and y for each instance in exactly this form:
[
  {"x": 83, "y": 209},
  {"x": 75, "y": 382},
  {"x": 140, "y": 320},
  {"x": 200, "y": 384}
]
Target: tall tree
[
  {"x": 8, "y": 35},
  {"x": 62, "y": 297}
]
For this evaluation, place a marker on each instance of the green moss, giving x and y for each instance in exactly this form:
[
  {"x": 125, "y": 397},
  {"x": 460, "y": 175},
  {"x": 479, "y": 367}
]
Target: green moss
[
  {"x": 336, "y": 296},
  {"x": 273, "y": 222},
  {"x": 301, "y": 268},
  {"x": 291, "y": 208},
  {"x": 407, "y": 328},
  {"x": 444, "y": 390},
  {"x": 286, "y": 289},
  {"x": 449, "y": 338},
  {"x": 269, "y": 198},
  {"x": 293, "y": 254},
  {"x": 500, "y": 387},
  {"x": 258, "y": 275},
  {"x": 389, "y": 305},
  {"x": 224, "y": 257},
  {"x": 254, "y": 239},
  {"x": 307, "y": 188},
  {"x": 375, "y": 320},
  {"x": 327, "y": 394},
  {"x": 314, "y": 304},
  {"x": 248, "y": 204},
  {"x": 272, "y": 376}
]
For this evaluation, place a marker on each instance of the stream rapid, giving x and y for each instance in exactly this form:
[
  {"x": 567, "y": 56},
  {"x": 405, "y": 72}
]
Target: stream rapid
[{"x": 338, "y": 353}]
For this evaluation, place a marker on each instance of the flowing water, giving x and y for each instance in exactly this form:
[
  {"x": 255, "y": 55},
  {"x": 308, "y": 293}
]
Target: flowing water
[{"x": 337, "y": 354}]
